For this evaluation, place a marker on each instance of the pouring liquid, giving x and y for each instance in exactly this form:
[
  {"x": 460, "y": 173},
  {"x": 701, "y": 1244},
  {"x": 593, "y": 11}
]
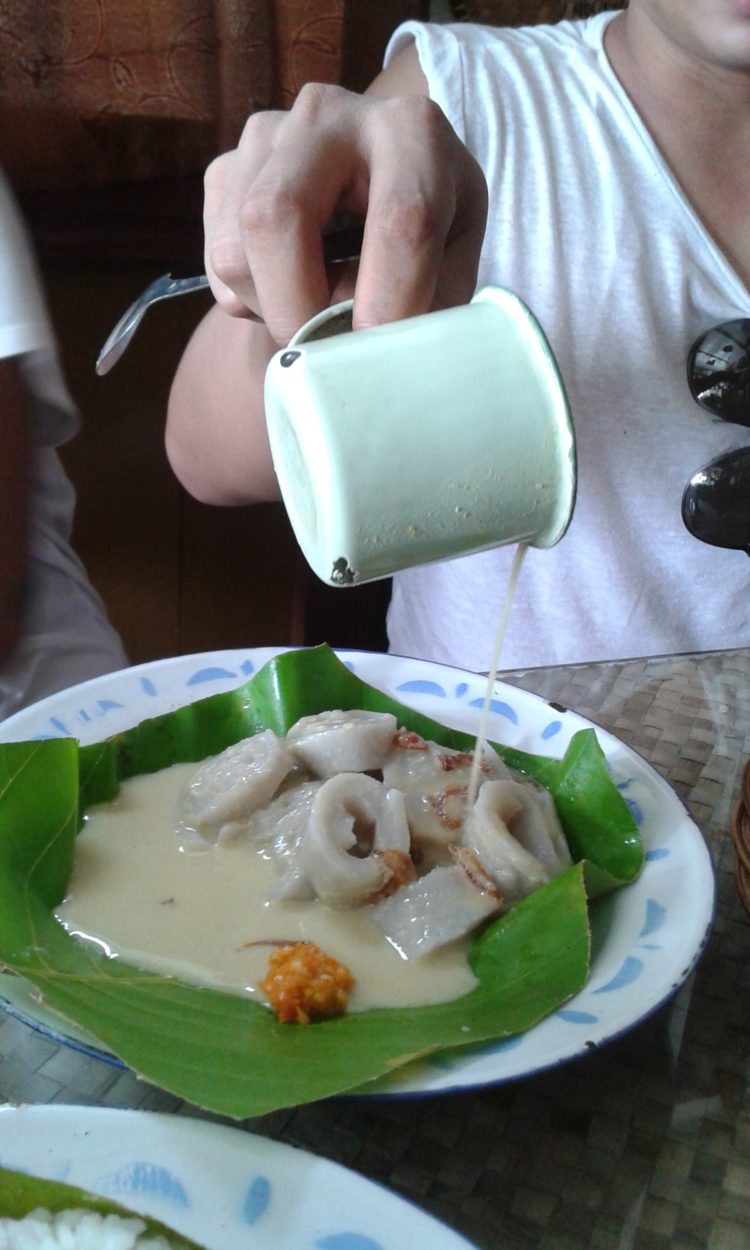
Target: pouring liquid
[{"x": 476, "y": 762}]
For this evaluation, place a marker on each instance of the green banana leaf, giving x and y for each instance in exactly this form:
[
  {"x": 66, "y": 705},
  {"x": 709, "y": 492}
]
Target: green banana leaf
[
  {"x": 228, "y": 1054},
  {"x": 20, "y": 1194}
]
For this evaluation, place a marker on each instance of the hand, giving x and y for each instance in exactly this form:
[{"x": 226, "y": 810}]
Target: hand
[{"x": 393, "y": 160}]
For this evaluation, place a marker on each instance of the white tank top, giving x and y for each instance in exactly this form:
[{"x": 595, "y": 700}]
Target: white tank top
[{"x": 589, "y": 227}]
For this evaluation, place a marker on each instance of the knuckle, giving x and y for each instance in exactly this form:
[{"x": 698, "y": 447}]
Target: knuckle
[
  {"x": 266, "y": 211},
  {"x": 258, "y": 127},
  {"x": 226, "y": 259},
  {"x": 216, "y": 170},
  {"x": 315, "y": 98},
  {"x": 230, "y": 303},
  {"x": 413, "y": 218},
  {"x": 416, "y": 115}
]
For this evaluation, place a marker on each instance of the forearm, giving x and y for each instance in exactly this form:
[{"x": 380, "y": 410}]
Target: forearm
[
  {"x": 15, "y": 474},
  {"x": 216, "y": 432}
]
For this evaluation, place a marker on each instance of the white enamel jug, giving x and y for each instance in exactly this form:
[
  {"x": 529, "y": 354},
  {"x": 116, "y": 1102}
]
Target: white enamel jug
[{"x": 426, "y": 439}]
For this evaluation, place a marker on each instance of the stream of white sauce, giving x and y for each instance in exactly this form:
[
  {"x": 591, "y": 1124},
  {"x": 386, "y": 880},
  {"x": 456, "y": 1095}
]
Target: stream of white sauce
[
  {"x": 193, "y": 914},
  {"x": 481, "y": 738}
]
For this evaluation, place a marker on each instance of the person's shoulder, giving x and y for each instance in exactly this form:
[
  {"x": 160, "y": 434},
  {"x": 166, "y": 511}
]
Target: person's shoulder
[
  {"x": 474, "y": 41},
  {"x": 563, "y": 37}
]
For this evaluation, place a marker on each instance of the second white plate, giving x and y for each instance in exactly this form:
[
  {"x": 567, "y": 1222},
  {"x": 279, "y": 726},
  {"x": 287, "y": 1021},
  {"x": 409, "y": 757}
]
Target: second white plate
[{"x": 220, "y": 1186}]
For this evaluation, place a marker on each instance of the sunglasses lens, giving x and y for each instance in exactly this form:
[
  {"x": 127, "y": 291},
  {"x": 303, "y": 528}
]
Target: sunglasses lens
[
  {"x": 719, "y": 371},
  {"x": 716, "y": 501}
]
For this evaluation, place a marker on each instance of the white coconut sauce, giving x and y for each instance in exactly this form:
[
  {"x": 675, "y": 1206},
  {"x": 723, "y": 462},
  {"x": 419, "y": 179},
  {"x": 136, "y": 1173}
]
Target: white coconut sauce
[
  {"x": 489, "y": 689},
  {"x": 202, "y": 915}
]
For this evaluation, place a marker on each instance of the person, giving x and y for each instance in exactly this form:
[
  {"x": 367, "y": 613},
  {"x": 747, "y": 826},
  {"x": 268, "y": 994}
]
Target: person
[
  {"x": 53, "y": 627},
  {"x": 600, "y": 169}
]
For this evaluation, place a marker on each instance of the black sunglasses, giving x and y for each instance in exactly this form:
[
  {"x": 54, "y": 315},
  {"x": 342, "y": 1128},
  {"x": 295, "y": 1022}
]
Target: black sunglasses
[
  {"x": 716, "y": 500},
  {"x": 718, "y": 367}
]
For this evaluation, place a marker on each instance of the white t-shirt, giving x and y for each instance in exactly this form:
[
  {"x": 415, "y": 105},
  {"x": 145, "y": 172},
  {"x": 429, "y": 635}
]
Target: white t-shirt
[
  {"x": 589, "y": 227},
  {"x": 66, "y": 635}
]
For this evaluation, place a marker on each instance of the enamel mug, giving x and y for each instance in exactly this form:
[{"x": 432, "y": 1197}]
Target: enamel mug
[{"x": 421, "y": 440}]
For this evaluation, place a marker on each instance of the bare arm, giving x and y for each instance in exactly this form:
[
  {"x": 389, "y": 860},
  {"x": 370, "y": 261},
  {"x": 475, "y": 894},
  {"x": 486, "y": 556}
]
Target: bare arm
[
  {"x": 389, "y": 157},
  {"x": 14, "y": 501},
  {"x": 216, "y": 430}
]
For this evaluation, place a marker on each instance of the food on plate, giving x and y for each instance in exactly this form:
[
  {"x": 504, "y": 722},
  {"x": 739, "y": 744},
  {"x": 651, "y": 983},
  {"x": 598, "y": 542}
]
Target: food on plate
[
  {"x": 303, "y": 983},
  {"x": 38, "y": 1214},
  {"x": 209, "y": 912},
  {"x": 334, "y": 742},
  {"x": 77, "y": 1230},
  {"x": 228, "y": 788},
  {"x": 394, "y": 852},
  {"x": 446, "y": 904},
  {"x": 380, "y": 809}
]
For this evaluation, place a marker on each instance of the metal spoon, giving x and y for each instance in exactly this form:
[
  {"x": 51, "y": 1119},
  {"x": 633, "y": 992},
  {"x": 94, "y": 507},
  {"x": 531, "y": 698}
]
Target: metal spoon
[
  {"x": 338, "y": 246},
  {"x": 162, "y": 288},
  {"x": 716, "y": 501}
]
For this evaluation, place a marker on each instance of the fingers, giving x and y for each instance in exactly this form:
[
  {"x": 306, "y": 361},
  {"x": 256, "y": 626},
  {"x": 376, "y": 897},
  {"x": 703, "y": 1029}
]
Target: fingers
[
  {"x": 426, "y": 215},
  {"x": 266, "y": 206},
  {"x": 312, "y": 173},
  {"x": 394, "y": 162},
  {"x": 226, "y": 184}
]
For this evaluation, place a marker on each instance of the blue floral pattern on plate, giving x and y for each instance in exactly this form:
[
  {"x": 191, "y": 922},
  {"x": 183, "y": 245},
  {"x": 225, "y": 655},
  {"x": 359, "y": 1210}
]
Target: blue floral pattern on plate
[{"x": 214, "y": 1183}]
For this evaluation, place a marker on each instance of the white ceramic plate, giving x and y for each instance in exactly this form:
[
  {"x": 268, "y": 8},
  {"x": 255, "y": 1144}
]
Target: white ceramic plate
[
  {"x": 646, "y": 937},
  {"x": 220, "y": 1186}
]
